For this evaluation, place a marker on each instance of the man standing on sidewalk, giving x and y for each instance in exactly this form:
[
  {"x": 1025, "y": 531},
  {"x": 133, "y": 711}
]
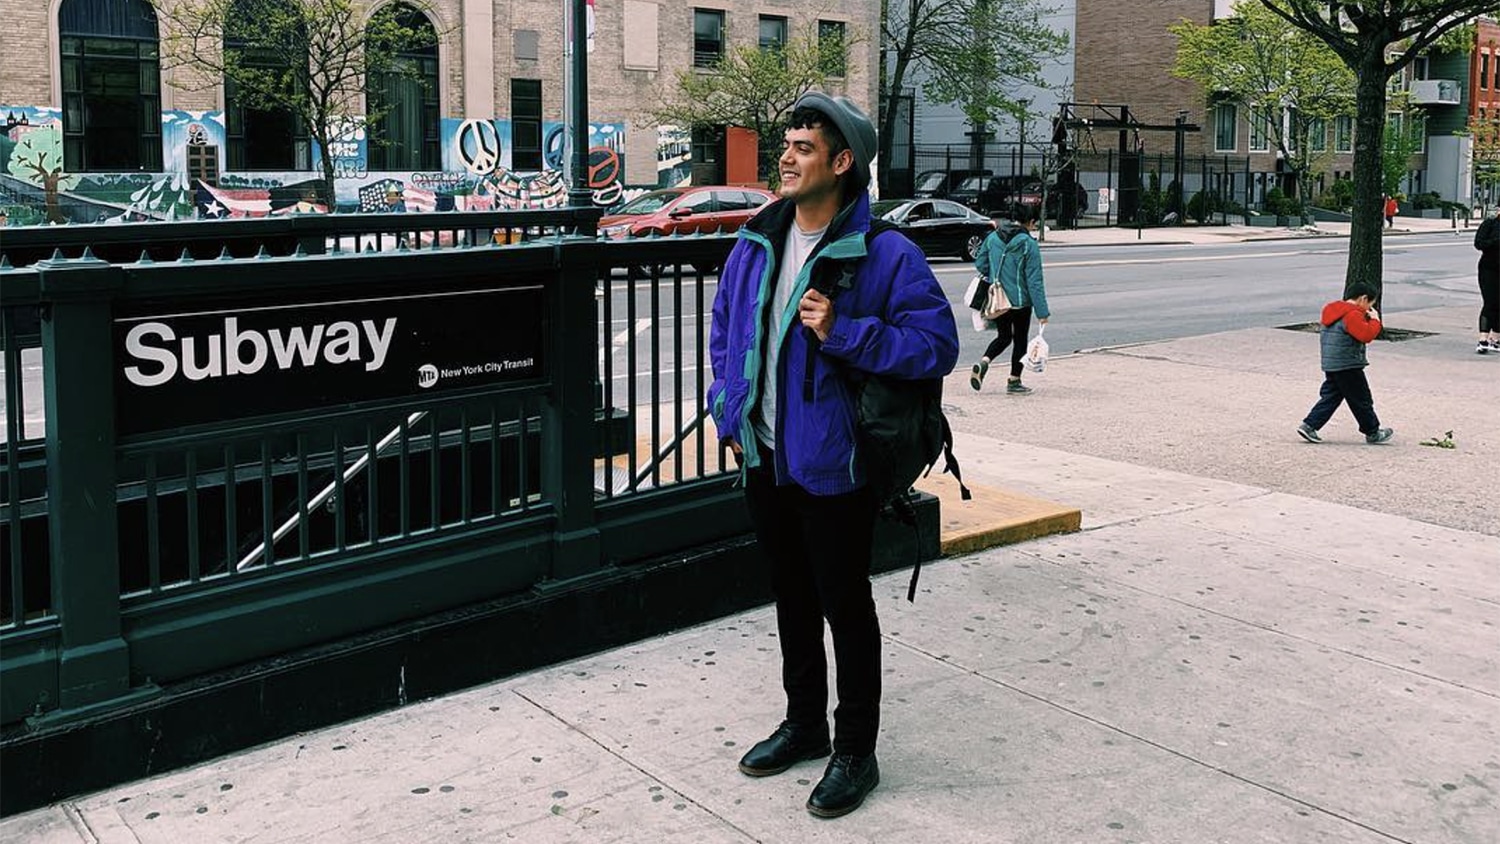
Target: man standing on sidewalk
[{"x": 785, "y": 359}]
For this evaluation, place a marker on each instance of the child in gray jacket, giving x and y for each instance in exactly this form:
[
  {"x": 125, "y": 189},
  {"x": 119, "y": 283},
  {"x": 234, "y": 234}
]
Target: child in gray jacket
[{"x": 1348, "y": 325}]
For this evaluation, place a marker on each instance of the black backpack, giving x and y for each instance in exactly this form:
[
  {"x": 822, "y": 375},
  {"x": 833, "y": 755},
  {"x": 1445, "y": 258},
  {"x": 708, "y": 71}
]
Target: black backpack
[{"x": 901, "y": 430}]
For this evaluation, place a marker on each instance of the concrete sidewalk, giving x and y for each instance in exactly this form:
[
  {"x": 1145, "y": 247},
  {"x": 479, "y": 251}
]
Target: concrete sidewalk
[{"x": 1253, "y": 639}]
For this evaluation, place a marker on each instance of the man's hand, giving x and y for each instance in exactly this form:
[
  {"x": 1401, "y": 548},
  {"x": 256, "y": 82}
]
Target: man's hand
[
  {"x": 733, "y": 445},
  {"x": 1373, "y": 314},
  {"x": 1043, "y": 321},
  {"x": 816, "y": 312}
]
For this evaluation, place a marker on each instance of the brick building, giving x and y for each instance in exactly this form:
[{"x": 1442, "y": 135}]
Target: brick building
[
  {"x": 1125, "y": 55},
  {"x": 482, "y": 129}
]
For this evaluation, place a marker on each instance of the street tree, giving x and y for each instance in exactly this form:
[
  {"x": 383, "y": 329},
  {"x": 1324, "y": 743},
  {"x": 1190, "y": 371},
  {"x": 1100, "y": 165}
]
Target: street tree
[
  {"x": 308, "y": 58},
  {"x": 1376, "y": 39},
  {"x": 753, "y": 88},
  {"x": 970, "y": 53},
  {"x": 1288, "y": 80}
]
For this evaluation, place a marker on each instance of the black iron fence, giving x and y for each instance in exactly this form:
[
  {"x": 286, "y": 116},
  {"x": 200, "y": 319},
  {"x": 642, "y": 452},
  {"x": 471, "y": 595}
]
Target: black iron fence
[
  {"x": 1093, "y": 189},
  {"x": 258, "y": 454}
]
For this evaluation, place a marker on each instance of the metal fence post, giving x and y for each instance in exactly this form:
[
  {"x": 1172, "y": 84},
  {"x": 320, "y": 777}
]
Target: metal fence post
[
  {"x": 568, "y": 433},
  {"x": 77, "y": 366}
]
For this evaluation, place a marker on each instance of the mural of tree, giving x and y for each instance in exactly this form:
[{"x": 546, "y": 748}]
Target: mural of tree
[{"x": 38, "y": 159}]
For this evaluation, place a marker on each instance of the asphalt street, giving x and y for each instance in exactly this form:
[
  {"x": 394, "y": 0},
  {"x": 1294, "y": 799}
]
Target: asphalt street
[{"x": 1115, "y": 296}]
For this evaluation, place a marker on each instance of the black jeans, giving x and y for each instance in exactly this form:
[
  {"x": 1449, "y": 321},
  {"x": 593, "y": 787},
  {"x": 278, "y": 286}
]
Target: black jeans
[
  {"x": 819, "y": 551},
  {"x": 1489, "y": 292},
  {"x": 1347, "y": 385},
  {"x": 1011, "y": 329}
]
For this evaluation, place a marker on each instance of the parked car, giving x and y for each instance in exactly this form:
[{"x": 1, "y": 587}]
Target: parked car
[
  {"x": 998, "y": 194},
  {"x": 701, "y": 208},
  {"x": 939, "y": 227},
  {"x": 938, "y": 184}
]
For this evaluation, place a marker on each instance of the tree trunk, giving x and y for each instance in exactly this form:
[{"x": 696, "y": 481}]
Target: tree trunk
[
  {"x": 325, "y": 157},
  {"x": 50, "y": 184},
  {"x": 1365, "y": 248},
  {"x": 888, "y": 118}
]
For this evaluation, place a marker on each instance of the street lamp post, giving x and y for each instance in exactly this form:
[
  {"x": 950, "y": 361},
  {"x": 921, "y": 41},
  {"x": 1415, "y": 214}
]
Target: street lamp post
[{"x": 579, "y": 195}]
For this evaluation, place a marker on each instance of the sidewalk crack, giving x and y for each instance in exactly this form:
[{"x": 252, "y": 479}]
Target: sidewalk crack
[{"x": 631, "y": 764}]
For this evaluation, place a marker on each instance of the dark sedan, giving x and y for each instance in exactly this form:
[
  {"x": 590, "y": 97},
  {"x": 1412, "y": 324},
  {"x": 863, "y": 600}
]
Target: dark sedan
[{"x": 938, "y": 227}]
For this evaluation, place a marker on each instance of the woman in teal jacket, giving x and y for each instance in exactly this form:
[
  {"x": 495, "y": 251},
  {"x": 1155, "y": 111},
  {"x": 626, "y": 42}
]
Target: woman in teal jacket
[{"x": 1010, "y": 257}]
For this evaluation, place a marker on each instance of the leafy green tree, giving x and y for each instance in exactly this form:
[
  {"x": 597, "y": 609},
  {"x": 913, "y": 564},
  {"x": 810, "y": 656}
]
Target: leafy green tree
[
  {"x": 1376, "y": 39},
  {"x": 1273, "y": 70},
  {"x": 306, "y": 57},
  {"x": 972, "y": 53},
  {"x": 752, "y": 88},
  {"x": 1403, "y": 139}
]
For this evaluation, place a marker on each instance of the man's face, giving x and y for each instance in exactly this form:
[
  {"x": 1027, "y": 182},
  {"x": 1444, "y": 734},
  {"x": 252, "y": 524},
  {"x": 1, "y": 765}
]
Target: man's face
[{"x": 806, "y": 172}]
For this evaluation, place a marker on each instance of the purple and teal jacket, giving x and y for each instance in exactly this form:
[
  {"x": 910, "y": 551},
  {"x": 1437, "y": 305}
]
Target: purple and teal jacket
[{"x": 893, "y": 320}]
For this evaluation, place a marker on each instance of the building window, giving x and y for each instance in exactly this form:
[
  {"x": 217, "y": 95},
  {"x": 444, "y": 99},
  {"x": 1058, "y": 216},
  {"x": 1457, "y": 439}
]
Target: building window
[
  {"x": 261, "y": 138},
  {"x": 1226, "y": 127},
  {"x": 401, "y": 101},
  {"x": 111, "y": 85},
  {"x": 1317, "y": 135},
  {"x": 1260, "y": 124},
  {"x": 1484, "y": 71},
  {"x": 526, "y": 43},
  {"x": 1343, "y": 133},
  {"x": 526, "y": 124},
  {"x": 708, "y": 37},
  {"x": 1417, "y": 130},
  {"x": 832, "y": 58},
  {"x": 772, "y": 32}
]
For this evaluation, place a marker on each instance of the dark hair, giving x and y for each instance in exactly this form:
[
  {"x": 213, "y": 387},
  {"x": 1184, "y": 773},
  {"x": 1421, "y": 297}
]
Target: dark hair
[
  {"x": 1023, "y": 214},
  {"x": 811, "y": 118},
  {"x": 1360, "y": 288}
]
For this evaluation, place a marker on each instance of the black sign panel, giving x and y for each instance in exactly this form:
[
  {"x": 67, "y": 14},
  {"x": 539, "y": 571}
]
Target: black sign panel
[{"x": 177, "y": 369}]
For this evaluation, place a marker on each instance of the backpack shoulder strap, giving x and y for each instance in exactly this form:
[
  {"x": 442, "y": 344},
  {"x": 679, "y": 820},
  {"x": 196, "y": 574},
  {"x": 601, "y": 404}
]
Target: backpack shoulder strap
[{"x": 877, "y": 228}]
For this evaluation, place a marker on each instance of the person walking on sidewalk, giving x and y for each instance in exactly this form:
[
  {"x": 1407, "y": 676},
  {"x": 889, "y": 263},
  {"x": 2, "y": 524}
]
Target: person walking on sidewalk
[
  {"x": 1389, "y": 207},
  {"x": 1348, "y": 326},
  {"x": 785, "y": 358},
  {"x": 1011, "y": 258},
  {"x": 1487, "y": 241}
]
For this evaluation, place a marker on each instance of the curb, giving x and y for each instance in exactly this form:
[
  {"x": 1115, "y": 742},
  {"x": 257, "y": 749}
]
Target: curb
[
  {"x": 994, "y": 516},
  {"x": 1241, "y": 239}
]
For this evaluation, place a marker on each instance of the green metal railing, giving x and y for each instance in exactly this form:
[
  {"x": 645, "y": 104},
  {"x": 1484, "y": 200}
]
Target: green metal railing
[{"x": 135, "y": 556}]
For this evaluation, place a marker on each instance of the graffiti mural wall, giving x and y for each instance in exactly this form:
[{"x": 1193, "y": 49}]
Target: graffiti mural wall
[
  {"x": 481, "y": 151},
  {"x": 477, "y": 174}
]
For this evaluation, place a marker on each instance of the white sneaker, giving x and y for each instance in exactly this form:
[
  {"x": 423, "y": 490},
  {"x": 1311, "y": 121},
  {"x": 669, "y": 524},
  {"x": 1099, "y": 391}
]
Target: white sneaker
[{"x": 1484, "y": 348}]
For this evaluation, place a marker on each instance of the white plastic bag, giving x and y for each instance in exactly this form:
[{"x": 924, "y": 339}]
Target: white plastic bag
[
  {"x": 1036, "y": 351},
  {"x": 980, "y": 323}
]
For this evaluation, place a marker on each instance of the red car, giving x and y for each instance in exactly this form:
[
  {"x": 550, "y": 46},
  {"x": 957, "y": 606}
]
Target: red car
[{"x": 701, "y": 208}]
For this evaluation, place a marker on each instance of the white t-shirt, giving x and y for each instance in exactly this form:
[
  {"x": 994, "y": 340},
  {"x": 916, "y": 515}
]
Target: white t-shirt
[{"x": 799, "y": 245}]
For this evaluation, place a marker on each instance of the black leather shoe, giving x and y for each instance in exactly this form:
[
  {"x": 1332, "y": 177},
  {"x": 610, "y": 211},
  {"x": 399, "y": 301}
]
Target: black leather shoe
[
  {"x": 846, "y": 783},
  {"x": 786, "y": 747}
]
